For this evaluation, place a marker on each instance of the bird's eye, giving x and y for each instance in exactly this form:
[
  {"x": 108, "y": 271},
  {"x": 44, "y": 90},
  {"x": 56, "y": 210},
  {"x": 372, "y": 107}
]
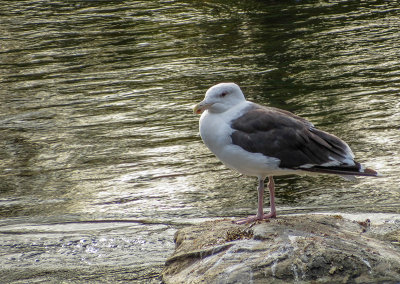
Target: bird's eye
[{"x": 223, "y": 94}]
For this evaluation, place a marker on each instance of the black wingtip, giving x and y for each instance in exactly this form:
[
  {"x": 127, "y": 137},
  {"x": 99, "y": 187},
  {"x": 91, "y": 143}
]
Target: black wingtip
[
  {"x": 344, "y": 171},
  {"x": 371, "y": 172}
]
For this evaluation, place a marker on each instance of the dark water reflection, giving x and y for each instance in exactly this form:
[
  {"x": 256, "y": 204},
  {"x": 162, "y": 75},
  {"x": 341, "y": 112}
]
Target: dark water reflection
[{"x": 100, "y": 160}]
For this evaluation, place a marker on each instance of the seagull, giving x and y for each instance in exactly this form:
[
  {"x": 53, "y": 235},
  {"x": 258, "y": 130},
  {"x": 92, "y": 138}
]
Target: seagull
[{"x": 262, "y": 141}]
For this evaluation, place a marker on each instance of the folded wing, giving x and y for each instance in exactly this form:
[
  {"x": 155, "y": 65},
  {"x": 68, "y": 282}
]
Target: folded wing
[{"x": 294, "y": 141}]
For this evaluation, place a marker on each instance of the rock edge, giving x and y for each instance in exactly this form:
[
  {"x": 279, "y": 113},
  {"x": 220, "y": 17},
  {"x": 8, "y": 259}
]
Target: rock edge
[{"x": 299, "y": 249}]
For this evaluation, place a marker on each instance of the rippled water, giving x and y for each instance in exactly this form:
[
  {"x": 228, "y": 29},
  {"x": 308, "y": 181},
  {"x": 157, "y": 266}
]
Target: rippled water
[{"x": 100, "y": 158}]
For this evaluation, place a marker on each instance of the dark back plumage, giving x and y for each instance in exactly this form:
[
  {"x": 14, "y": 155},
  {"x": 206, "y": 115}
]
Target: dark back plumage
[{"x": 293, "y": 140}]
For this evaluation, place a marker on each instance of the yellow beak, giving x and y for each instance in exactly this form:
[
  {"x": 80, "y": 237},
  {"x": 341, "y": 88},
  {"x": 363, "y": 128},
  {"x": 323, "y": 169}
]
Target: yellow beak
[
  {"x": 201, "y": 107},
  {"x": 197, "y": 109}
]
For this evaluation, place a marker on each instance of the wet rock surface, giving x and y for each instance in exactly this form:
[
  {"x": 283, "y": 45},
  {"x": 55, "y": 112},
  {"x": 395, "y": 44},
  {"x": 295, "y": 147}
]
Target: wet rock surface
[{"x": 300, "y": 249}]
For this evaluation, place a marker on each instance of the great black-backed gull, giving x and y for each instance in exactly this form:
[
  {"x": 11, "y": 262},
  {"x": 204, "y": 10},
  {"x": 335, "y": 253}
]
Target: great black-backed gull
[{"x": 264, "y": 142}]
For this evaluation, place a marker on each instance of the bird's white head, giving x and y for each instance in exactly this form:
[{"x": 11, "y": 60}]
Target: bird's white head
[{"x": 220, "y": 98}]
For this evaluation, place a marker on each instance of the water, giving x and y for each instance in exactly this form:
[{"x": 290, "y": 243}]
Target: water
[{"x": 100, "y": 158}]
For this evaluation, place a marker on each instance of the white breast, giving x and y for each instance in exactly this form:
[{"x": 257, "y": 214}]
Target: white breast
[{"x": 215, "y": 130}]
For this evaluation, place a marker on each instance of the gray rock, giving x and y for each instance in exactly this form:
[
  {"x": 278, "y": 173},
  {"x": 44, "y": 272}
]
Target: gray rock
[{"x": 289, "y": 249}]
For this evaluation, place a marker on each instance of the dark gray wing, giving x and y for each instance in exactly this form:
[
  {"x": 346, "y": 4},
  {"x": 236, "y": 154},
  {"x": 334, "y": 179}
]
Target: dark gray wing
[{"x": 290, "y": 138}]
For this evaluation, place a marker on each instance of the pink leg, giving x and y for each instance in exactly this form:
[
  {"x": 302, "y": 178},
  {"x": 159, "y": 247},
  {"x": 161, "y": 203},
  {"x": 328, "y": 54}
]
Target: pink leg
[
  {"x": 271, "y": 187},
  {"x": 260, "y": 189},
  {"x": 260, "y": 212}
]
